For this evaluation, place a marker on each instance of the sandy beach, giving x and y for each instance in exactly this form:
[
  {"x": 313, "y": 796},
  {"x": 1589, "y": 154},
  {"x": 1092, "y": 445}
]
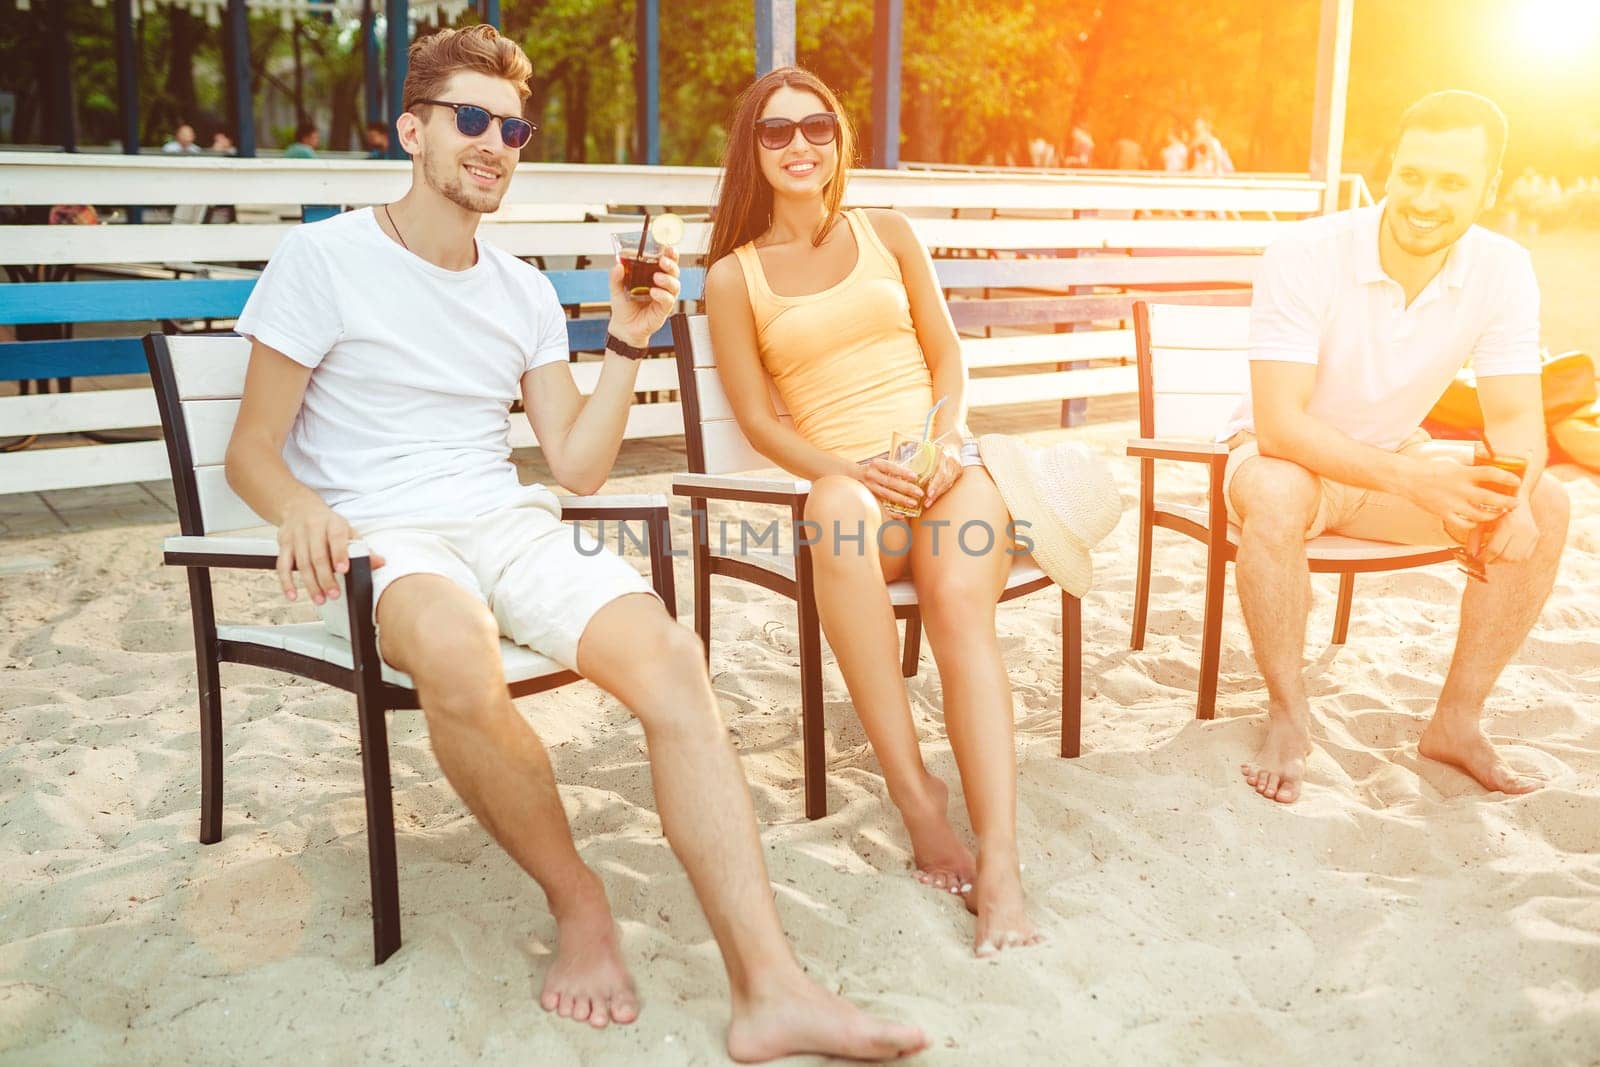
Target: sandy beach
[{"x": 1395, "y": 915}]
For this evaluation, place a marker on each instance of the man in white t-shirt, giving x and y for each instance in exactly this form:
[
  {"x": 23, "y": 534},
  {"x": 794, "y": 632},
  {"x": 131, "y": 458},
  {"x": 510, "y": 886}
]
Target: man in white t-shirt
[
  {"x": 388, "y": 347},
  {"x": 1358, "y": 322}
]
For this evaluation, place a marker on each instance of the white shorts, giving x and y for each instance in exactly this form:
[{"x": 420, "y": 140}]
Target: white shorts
[{"x": 543, "y": 579}]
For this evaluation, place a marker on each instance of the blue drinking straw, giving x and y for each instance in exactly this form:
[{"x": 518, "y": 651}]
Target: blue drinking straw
[{"x": 927, "y": 428}]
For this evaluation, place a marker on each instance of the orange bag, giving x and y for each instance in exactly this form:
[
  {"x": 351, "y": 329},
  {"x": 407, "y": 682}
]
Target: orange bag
[{"x": 1567, "y": 380}]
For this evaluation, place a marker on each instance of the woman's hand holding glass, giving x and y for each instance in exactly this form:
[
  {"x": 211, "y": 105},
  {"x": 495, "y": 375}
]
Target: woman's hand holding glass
[{"x": 946, "y": 474}]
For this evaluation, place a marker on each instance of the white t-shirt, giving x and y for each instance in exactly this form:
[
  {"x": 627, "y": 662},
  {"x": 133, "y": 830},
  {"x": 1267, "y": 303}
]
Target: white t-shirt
[
  {"x": 414, "y": 369},
  {"x": 1322, "y": 297}
]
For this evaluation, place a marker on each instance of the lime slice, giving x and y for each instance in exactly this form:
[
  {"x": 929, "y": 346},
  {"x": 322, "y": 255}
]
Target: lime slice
[
  {"x": 667, "y": 229},
  {"x": 923, "y": 461}
]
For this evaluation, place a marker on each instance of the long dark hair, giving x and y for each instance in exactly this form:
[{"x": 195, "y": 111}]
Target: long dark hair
[{"x": 744, "y": 199}]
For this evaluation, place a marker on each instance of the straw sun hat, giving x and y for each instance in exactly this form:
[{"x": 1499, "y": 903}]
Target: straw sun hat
[{"x": 1066, "y": 496}]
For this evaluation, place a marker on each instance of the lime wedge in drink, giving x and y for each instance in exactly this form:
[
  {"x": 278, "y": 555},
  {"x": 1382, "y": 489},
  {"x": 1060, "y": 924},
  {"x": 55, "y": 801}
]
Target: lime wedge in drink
[
  {"x": 923, "y": 461},
  {"x": 667, "y": 229}
]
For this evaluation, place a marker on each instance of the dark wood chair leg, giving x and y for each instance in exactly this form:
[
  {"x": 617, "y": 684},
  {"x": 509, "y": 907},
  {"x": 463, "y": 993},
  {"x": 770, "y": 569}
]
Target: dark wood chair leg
[
  {"x": 1141, "y": 586},
  {"x": 1341, "y": 616},
  {"x": 370, "y": 714},
  {"x": 1211, "y": 639},
  {"x": 1071, "y": 675},
  {"x": 208, "y": 685},
  {"x": 702, "y": 574},
  {"x": 381, "y": 859},
  {"x": 813, "y": 738},
  {"x": 908, "y": 661}
]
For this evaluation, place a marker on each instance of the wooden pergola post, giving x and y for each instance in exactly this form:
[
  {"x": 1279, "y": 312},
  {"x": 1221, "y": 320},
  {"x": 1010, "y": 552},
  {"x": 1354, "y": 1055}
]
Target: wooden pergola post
[
  {"x": 647, "y": 81},
  {"x": 238, "y": 31},
  {"x": 1333, "y": 83},
  {"x": 127, "y": 77},
  {"x": 774, "y": 35},
  {"x": 396, "y": 61},
  {"x": 62, "y": 112},
  {"x": 886, "y": 84},
  {"x": 371, "y": 70}
]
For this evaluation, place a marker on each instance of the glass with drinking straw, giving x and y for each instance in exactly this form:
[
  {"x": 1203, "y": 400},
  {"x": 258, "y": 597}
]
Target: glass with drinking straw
[
  {"x": 920, "y": 455},
  {"x": 1470, "y": 555}
]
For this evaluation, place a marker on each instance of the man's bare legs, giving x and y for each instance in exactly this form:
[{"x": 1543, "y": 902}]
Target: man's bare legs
[
  {"x": 852, "y": 596},
  {"x": 446, "y": 639},
  {"x": 959, "y": 573},
  {"x": 494, "y": 760},
  {"x": 1277, "y": 501},
  {"x": 1496, "y": 617}
]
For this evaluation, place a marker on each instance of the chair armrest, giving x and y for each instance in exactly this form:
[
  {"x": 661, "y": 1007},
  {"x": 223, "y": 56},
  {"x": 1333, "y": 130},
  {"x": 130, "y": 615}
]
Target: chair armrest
[
  {"x": 741, "y": 487},
  {"x": 246, "y": 553},
  {"x": 1185, "y": 451},
  {"x": 612, "y": 506},
  {"x": 652, "y": 508}
]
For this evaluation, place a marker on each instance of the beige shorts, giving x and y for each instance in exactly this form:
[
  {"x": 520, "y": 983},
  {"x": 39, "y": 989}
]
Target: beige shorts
[
  {"x": 543, "y": 579},
  {"x": 1365, "y": 513}
]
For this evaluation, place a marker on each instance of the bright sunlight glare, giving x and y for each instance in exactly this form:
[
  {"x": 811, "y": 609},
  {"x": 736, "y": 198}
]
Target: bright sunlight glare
[{"x": 1559, "y": 30}]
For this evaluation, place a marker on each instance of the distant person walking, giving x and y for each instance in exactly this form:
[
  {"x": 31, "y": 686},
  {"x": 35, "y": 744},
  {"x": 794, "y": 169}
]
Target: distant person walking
[
  {"x": 222, "y": 143},
  {"x": 1175, "y": 153},
  {"x": 377, "y": 136},
  {"x": 307, "y": 140},
  {"x": 1204, "y": 136}
]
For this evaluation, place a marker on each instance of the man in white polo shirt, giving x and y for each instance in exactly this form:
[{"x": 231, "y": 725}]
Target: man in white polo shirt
[{"x": 1358, "y": 322}]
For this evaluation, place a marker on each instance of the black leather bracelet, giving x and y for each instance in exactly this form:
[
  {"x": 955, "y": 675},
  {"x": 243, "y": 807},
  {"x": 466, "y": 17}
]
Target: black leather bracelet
[{"x": 623, "y": 348}]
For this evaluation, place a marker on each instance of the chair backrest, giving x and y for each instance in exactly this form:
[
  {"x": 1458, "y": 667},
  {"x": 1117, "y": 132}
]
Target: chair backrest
[
  {"x": 1194, "y": 365},
  {"x": 712, "y": 437},
  {"x": 198, "y": 383}
]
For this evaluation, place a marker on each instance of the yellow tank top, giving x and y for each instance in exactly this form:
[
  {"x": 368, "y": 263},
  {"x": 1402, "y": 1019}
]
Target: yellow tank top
[{"x": 846, "y": 361}]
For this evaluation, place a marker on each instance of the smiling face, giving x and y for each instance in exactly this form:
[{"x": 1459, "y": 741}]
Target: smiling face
[
  {"x": 470, "y": 172},
  {"x": 799, "y": 169},
  {"x": 1440, "y": 183}
]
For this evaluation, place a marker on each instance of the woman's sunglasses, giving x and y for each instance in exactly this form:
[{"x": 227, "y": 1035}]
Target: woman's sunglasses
[
  {"x": 777, "y": 133},
  {"x": 472, "y": 120}
]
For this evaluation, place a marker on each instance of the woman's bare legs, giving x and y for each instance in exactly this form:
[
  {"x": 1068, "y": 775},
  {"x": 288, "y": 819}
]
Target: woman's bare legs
[
  {"x": 851, "y": 580},
  {"x": 959, "y": 563}
]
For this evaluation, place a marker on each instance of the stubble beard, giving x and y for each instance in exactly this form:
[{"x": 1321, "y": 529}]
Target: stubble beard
[{"x": 452, "y": 189}]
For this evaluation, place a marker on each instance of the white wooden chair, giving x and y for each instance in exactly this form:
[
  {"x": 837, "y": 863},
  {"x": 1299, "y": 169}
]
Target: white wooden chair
[
  {"x": 718, "y": 452},
  {"x": 1193, "y": 363},
  {"x": 198, "y": 381}
]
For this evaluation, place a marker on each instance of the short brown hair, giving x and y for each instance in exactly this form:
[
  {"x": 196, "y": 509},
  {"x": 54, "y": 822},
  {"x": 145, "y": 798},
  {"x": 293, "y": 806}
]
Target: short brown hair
[
  {"x": 435, "y": 58},
  {"x": 1457, "y": 109}
]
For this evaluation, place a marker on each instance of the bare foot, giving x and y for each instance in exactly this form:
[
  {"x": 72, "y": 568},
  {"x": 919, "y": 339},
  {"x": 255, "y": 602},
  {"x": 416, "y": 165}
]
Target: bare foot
[
  {"x": 794, "y": 1015},
  {"x": 588, "y": 982},
  {"x": 1280, "y": 766},
  {"x": 1001, "y": 909},
  {"x": 1469, "y": 749},
  {"x": 943, "y": 862}
]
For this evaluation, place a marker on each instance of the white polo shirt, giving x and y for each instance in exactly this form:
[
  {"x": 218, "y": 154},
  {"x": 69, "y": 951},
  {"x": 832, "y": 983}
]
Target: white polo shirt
[{"x": 1321, "y": 297}]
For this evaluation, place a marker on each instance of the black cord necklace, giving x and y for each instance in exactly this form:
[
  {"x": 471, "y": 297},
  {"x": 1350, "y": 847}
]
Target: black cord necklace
[{"x": 396, "y": 229}]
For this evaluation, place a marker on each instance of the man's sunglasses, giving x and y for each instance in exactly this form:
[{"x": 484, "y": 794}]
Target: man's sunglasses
[
  {"x": 472, "y": 120},
  {"x": 777, "y": 133}
]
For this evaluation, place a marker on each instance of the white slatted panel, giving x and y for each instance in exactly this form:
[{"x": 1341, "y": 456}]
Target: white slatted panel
[
  {"x": 1192, "y": 416},
  {"x": 210, "y": 424},
  {"x": 985, "y": 352},
  {"x": 654, "y": 375},
  {"x": 700, "y": 341},
  {"x": 1199, "y": 367},
  {"x": 664, "y": 419},
  {"x": 1200, "y": 370},
  {"x": 727, "y": 450},
  {"x": 1199, "y": 326},
  {"x": 1055, "y": 385},
  {"x": 106, "y": 409},
  {"x": 76, "y": 468},
  {"x": 209, "y": 367},
  {"x": 714, "y": 402},
  {"x": 221, "y": 510}
]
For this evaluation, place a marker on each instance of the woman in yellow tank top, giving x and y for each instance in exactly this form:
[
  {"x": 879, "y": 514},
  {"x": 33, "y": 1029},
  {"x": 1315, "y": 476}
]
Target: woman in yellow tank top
[{"x": 840, "y": 309}]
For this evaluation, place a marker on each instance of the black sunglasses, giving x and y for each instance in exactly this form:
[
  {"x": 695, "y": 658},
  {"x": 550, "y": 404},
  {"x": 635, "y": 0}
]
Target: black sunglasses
[
  {"x": 777, "y": 133},
  {"x": 472, "y": 120}
]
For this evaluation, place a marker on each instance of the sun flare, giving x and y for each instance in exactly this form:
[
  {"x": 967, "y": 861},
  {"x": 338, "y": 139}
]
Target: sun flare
[{"x": 1558, "y": 30}]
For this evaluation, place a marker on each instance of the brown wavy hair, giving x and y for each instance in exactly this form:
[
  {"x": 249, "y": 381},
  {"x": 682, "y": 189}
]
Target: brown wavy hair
[
  {"x": 435, "y": 58},
  {"x": 744, "y": 199}
]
